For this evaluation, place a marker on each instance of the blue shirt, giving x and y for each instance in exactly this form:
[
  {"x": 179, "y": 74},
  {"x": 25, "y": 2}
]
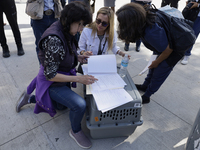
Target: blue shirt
[
  {"x": 48, "y": 4},
  {"x": 156, "y": 37}
]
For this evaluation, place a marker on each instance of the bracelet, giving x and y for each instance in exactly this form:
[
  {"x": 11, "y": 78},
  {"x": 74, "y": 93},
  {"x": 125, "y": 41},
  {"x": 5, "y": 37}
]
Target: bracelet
[{"x": 82, "y": 52}]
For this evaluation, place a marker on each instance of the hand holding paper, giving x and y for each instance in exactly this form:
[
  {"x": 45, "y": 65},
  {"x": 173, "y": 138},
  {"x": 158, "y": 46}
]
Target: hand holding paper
[
  {"x": 109, "y": 90},
  {"x": 152, "y": 58}
]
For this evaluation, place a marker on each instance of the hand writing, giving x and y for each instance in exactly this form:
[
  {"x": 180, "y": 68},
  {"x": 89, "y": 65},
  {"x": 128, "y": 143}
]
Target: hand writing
[
  {"x": 88, "y": 53},
  {"x": 82, "y": 58}
]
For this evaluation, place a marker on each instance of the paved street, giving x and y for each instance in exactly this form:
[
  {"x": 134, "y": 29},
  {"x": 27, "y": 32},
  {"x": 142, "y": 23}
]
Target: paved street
[{"x": 168, "y": 118}]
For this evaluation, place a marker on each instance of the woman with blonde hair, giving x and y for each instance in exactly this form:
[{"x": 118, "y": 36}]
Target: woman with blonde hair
[{"x": 99, "y": 37}]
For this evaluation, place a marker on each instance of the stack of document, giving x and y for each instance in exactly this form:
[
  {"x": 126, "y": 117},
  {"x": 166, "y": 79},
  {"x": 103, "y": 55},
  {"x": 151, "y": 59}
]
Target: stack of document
[{"x": 109, "y": 90}]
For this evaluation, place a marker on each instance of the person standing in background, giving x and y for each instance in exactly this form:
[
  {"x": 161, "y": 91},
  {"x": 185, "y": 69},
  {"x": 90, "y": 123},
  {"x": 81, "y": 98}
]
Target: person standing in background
[
  {"x": 63, "y": 3},
  {"x": 87, "y": 2},
  {"x": 110, "y": 3},
  {"x": 196, "y": 28},
  {"x": 9, "y": 8},
  {"x": 138, "y": 42},
  {"x": 172, "y": 3},
  {"x": 49, "y": 17}
]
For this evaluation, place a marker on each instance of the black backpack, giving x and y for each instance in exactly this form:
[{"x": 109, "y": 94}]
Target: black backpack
[{"x": 179, "y": 32}]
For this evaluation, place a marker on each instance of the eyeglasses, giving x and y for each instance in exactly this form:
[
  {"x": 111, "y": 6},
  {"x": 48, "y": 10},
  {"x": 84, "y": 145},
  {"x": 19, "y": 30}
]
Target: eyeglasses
[
  {"x": 81, "y": 24},
  {"x": 103, "y": 23}
]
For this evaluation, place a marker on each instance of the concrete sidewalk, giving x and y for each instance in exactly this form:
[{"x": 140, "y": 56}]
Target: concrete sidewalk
[{"x": 168, "y": 118}]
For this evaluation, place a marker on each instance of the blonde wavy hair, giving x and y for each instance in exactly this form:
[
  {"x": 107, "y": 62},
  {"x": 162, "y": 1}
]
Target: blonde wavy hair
[{"x": 110, "y": 29}]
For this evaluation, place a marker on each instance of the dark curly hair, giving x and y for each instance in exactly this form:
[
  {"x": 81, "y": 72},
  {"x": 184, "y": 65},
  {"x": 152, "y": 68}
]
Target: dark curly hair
[
  {"x": 74, "y": 12},
  {"x": 133, "y": 19}
]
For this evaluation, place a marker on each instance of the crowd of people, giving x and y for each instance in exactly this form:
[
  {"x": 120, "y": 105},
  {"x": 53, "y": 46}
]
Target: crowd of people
[{"x": 65, "y": 36}]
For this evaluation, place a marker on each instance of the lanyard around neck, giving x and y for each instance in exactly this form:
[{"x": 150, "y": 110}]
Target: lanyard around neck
[{"x": 101, "y": 51}]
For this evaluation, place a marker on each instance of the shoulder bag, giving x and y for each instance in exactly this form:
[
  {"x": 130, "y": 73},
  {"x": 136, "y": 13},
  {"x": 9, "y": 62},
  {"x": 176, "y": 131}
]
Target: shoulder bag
[
  {"x": 35, "y": 8},
  {"x": 190, "y": 14}
]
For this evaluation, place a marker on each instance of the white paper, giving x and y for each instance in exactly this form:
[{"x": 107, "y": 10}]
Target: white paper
[
  {"x": 102, "y": 64},
  {"x": 107, "y": 81},
  {"x": 152, "y": 58},
  {"x": 108, "y": 91},
  {"x": 109, "y": 99}
]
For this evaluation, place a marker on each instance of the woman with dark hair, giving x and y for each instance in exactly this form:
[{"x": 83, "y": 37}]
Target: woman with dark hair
[
  {"x": 143, "y": 25},
  {"x": 138, "y": 42},
  {"x": 58, "y": 57}
]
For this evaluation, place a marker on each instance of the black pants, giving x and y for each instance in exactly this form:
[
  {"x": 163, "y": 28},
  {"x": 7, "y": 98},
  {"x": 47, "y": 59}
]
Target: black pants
[
  {"x": 172, "y": 3},
  {"x": 9, "y": 8},
  {"x": 63, "y": 2}
]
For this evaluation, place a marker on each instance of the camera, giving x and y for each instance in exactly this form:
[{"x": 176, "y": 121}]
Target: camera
[{"x": 189, "y": 5}]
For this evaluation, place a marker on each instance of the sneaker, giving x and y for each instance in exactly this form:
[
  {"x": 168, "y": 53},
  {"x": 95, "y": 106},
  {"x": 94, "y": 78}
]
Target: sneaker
[
  {"x": 145, "y": 99},
  {"x": 80, "y": 139},
  {"x": 126, "y": 47},
  {"x": 141, "y": 87},
  {"x": 23, "y": 100},
  {"x": 185, "y": 60}
]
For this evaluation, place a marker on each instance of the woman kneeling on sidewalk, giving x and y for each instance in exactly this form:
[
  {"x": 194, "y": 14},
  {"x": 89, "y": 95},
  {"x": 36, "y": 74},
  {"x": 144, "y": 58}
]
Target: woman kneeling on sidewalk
[{"x": 58, "y": 57}]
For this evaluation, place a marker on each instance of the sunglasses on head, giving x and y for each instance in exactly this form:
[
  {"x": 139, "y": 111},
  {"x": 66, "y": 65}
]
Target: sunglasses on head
[{"x": 103, "y": 23}]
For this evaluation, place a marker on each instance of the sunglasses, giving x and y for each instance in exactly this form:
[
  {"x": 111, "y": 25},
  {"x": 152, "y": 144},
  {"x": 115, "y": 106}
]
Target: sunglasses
[{"x": 103, "y": 23}]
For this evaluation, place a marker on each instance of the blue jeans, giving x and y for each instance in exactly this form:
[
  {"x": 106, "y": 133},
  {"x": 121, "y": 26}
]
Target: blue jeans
[
  {"x": 196, "y": 28},
  {"x": 39, "y": 26},
  {"x": 156, "y": 77},
  {"x": 138, "y": 43},
  {"x": 65, "y": 96}
]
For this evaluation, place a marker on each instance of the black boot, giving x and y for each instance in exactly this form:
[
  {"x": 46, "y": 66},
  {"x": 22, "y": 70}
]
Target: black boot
[
  {"x": 145, "y": 99},
  {"x": 137, "y": 48},
  {"x": 141, "y": 87},
  {"x": 6, "y": 52},
  {"x": 20, "y": 50},
  {"x": 126, "y": 47}
]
